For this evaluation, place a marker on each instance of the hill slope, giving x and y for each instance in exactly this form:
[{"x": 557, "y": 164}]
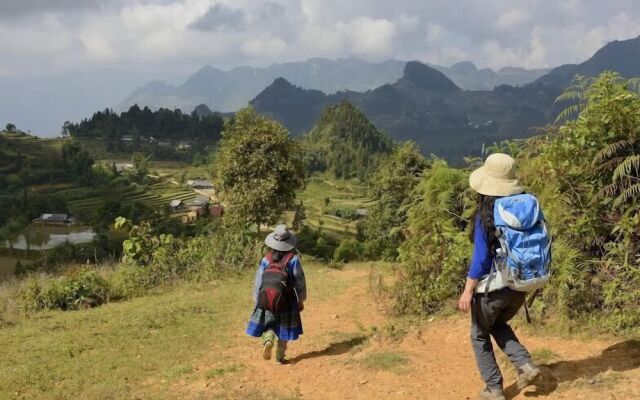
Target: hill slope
[
  {"x": 345, "y": 143},
  {"x": 619, "y": 56},
  {"x": 424, "y": 106}
]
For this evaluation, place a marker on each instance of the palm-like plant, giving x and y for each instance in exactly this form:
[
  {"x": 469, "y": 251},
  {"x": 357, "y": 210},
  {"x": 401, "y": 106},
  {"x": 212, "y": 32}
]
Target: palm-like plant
[{"x": 609, "y": 109}]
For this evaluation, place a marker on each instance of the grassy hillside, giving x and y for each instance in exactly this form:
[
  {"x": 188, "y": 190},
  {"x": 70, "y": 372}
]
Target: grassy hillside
[
  {"x": 29, "y": 147},
  {"x": 134, "y": 349},
  {"x": 188, "y": 343}
]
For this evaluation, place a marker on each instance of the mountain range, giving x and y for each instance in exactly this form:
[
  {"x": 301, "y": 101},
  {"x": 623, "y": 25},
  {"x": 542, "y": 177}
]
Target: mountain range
[
  {"x": 427, "y": 107},
  {"x": 228, "y": 91}
]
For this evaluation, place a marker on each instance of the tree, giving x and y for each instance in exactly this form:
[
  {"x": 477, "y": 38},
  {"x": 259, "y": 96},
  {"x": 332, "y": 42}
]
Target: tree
[
  {"x": 140, "y": 166},
  {"x": 298, "y": 217},
  {"x": 258, "y": 168},
  {"x": 345, "y": 143},
  {"x": 392, "y": 185},
  {"x": 10, "y": 127}
]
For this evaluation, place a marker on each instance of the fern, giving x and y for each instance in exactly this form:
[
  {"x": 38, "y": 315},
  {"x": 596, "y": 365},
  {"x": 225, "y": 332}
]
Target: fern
[
  {"x": 612, "y": 149},
  {"x": 625, "y": 168},
  {"x": 631, "y": 193}
]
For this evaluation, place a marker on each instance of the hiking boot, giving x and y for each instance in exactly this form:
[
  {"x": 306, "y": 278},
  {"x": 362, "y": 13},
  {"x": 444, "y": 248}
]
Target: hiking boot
[
  {"x": 492, "y": 394},
  {"x": 266, "y": 349},
  {"x": 527, "y": 374}
]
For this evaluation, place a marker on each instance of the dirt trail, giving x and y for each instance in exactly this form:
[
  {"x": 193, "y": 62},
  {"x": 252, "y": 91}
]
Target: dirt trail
[{"x": 340, "y": 358}]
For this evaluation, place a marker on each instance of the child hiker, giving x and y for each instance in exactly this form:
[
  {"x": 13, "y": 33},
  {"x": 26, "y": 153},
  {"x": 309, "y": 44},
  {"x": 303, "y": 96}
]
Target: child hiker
[
  {"x": 279, "y": 293},
  {"x": 511, "y": 251}
]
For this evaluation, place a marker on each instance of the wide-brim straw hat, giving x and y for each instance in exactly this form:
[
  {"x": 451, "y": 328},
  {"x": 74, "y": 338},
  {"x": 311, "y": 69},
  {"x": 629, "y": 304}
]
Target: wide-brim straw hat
[
  {"x": 281, "y": 239},
  {"x": 497, "y": 177}
]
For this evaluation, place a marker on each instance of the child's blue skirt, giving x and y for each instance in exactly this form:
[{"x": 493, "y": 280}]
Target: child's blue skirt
[{"x": 287, "y": 325}]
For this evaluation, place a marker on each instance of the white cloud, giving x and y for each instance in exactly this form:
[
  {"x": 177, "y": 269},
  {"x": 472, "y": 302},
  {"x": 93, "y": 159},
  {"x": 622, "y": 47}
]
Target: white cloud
[
  {"x": 511, "y": 19},
  {"x": 435, "y": 33},
  {"x": 264, "y": 46},
  {"x": 371, "y": 37},
  {"x": 186, "y": 34}
]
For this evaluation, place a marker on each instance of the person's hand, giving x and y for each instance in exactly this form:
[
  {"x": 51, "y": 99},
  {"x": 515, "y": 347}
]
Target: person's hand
[
  {"x": 464, "y": 304},
  {"x": 301, "y": 305}
]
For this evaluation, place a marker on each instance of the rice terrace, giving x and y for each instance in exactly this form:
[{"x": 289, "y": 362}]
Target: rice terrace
[{"x": 301, "y": 199}]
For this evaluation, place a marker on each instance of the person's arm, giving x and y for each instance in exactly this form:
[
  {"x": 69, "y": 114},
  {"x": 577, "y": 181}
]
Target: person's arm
[
  {"x": 480, "y": 266},
  {"x": 464, "y": 304},
  {"x": 258, "y": 281},
  {"x": 299, "y": 281}
]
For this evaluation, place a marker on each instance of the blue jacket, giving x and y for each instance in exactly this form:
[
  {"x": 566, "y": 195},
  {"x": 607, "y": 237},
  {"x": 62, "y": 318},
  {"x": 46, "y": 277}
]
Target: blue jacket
[{"x": 481, "y": 259}]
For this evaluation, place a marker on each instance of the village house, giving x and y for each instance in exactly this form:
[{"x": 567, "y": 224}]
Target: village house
[
  {"x": 198, "y": 205},
  {"x": 176, "y": 205},
  {"x": 122, "y": 167},
  {"x": 183, "y": 146},
  {"x": 55, "y": 219}
]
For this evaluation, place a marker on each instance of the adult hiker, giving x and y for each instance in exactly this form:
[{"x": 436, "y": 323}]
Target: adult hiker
[
  {"x": 511, "y": 257},
  {"x": 279, "y": 293}
]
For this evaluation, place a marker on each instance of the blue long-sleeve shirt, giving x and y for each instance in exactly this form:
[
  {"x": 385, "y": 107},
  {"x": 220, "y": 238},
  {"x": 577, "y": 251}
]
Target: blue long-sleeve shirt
[
  {"x": 295, "y": 270},
  {"x": 481, "y": 259}
]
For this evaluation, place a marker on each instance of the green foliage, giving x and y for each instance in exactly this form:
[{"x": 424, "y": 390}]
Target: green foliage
[
  {"x": 349, "y": 250},
  {"x": 345, "y": 143},
  {"x": 140, "y": 167},
  {"x": 152, "y": 132},
  {"x": 315, "y": 243},
  {"x": 258, "y": 168},
  {"x": 392, "y": 187},
  {"x": 299, "y": 216},
  {"x": 584, "y": 173},
  {"x": 436, "y": 255},
  {"x": 82, "y": 289}
]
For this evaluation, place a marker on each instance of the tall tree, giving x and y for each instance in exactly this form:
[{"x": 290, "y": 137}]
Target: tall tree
[
  {"x": 258, "y": 168},
  {"x": 392, "y": 187}
]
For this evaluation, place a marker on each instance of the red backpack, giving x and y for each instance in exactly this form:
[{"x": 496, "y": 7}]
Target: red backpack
[{"x": 276, "y": 291}]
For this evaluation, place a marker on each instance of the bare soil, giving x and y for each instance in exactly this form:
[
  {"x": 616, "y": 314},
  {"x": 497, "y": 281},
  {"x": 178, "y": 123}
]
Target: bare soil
[{"x": 352, "y": 349}]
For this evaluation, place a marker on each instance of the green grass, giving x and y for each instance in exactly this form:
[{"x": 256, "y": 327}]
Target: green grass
[
  {"x": 544, "y": 356},
  {"x": 387, "y": 361},
  {"x": 218, "y": 372},
  {"x": 136, "y": 348}
]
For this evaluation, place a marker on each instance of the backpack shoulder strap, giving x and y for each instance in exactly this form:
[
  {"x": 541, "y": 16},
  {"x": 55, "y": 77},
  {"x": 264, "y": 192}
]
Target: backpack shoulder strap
[{"x": 286, "y": 259}]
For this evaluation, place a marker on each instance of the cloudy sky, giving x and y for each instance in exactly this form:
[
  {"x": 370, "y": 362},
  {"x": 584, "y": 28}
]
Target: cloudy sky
[{"x": 178, "y": 36}]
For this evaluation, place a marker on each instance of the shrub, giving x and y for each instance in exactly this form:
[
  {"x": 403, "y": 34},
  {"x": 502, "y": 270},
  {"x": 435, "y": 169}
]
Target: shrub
[
  {"x": 349, "y": 250},
  {"x": 436, "y": 255},
  {"x": 82, "y": 289}
]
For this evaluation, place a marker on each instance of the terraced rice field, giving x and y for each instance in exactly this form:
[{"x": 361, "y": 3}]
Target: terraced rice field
[
  {"x": 341, "y": 194},
  {"x": 158, "y": 195}
]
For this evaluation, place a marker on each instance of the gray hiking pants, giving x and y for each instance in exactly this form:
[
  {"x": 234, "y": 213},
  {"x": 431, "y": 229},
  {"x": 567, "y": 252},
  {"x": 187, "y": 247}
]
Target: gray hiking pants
[{"x": 489, "y": 317}]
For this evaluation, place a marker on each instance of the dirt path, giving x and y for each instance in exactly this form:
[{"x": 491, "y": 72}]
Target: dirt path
[{"x": 351, "y": 350}]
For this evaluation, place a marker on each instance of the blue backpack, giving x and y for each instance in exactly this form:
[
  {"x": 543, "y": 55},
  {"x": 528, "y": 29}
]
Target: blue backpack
[{"x": 524, "y": 255}]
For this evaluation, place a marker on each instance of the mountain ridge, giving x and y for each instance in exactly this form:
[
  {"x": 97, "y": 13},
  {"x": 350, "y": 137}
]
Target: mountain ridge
[{"x": 227, "y": 91}]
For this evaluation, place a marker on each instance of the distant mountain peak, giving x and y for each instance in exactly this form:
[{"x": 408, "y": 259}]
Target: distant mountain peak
[
  {"x": 464, "y": 67},
  {"x": 427, "y": 78},
  {"x": 281, "y": 82}
]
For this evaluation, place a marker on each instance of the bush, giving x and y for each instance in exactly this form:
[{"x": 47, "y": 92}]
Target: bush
[
  {"x": 349, "y": 250},
  {"x": 436, "y": 255},
  {"x": 82, "y": 289},
  {"x": 315, "y": 243}
]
